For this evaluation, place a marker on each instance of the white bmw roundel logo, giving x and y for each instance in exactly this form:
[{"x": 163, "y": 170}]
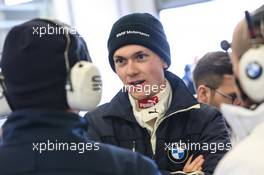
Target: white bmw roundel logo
[{"x": 177, "y": 154}]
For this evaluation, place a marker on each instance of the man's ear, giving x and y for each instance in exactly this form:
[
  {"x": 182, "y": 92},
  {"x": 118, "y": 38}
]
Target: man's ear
[
  {"x": 164, "y": 64},
  {"x": 203, "y": 94}
]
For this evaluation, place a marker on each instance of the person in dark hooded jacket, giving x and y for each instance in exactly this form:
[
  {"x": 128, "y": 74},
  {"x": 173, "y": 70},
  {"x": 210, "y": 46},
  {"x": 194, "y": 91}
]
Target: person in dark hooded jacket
[{"x": 43, "y": 134}]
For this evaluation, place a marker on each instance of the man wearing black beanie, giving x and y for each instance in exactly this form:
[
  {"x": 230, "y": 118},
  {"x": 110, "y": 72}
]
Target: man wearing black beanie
[
  {"x": 154, "y": 113},
  {"x": 43, "y": 134}
]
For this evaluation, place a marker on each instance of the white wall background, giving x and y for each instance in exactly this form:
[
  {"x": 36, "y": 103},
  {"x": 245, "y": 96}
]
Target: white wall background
[
  {"x": 94, "y": 19},
  {"x": 197, "y": 29}
]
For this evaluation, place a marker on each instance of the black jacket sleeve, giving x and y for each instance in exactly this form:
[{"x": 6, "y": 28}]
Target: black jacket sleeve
[{"x": 214, "y": 139}]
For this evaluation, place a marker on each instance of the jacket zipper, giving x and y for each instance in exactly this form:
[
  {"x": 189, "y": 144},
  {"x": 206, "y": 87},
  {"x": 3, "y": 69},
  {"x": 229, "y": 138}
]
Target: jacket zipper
[
  {"x": 196, "y": 106},
  {"x": 134, "y": 146}
]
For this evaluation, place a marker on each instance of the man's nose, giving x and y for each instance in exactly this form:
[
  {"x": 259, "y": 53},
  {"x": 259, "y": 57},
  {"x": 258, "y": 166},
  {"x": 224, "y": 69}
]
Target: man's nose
[{"x": 132, "y": 68}]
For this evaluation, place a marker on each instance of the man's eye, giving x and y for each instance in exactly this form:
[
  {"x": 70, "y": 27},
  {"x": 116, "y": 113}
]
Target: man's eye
[
  {"x": 233, "y": 96},
  {"x": 141, "y": 56},
  {"x": 119, "y": 60}
]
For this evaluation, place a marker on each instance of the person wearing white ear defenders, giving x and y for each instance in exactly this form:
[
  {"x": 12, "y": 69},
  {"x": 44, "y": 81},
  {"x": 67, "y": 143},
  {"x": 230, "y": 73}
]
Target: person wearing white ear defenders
[
  {"x": 45, "y": 79},
  {"x": 247, "y": 123}
]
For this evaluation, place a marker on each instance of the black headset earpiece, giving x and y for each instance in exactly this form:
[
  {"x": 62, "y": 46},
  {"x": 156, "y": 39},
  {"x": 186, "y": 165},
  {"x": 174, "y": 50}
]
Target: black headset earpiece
[{"x": 251, "y": 66}]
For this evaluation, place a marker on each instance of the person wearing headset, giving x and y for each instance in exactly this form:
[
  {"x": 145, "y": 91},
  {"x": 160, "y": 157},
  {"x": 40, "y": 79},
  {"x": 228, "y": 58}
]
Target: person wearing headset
[
  {"x": 247, "y": 123},
  {"x": 47, "y": 76},
  {"x": 154, "y": 113}
]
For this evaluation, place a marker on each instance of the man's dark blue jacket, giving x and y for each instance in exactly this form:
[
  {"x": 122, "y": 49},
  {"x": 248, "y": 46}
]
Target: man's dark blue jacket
[
  {"x": 31, "y": 141},
  {"x": 200, "y": 128}
]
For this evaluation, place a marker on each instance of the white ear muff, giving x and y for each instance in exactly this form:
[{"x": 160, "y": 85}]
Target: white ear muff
[
  {"x": 85, "y": 91},
  {"x": 251, "y": 73}
]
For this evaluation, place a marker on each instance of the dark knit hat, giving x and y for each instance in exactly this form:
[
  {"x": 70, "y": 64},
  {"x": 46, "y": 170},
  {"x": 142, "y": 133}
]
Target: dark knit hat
[
  {"x": 142, "y": 29},
  {"x": 33, "y": 65}
]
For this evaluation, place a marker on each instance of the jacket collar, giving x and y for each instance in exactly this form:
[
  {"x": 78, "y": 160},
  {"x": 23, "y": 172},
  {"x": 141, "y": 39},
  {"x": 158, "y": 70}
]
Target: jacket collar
[
  {"x": 181, "y": 96},
  {"x": 30, "y": 121},
  {"x": 181, "y": 99}
]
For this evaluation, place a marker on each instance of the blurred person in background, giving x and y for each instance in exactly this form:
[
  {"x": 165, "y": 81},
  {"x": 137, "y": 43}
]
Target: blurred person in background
[
  {"x": 214, "y": 80},
  {"x": 187, "y": 78}
]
